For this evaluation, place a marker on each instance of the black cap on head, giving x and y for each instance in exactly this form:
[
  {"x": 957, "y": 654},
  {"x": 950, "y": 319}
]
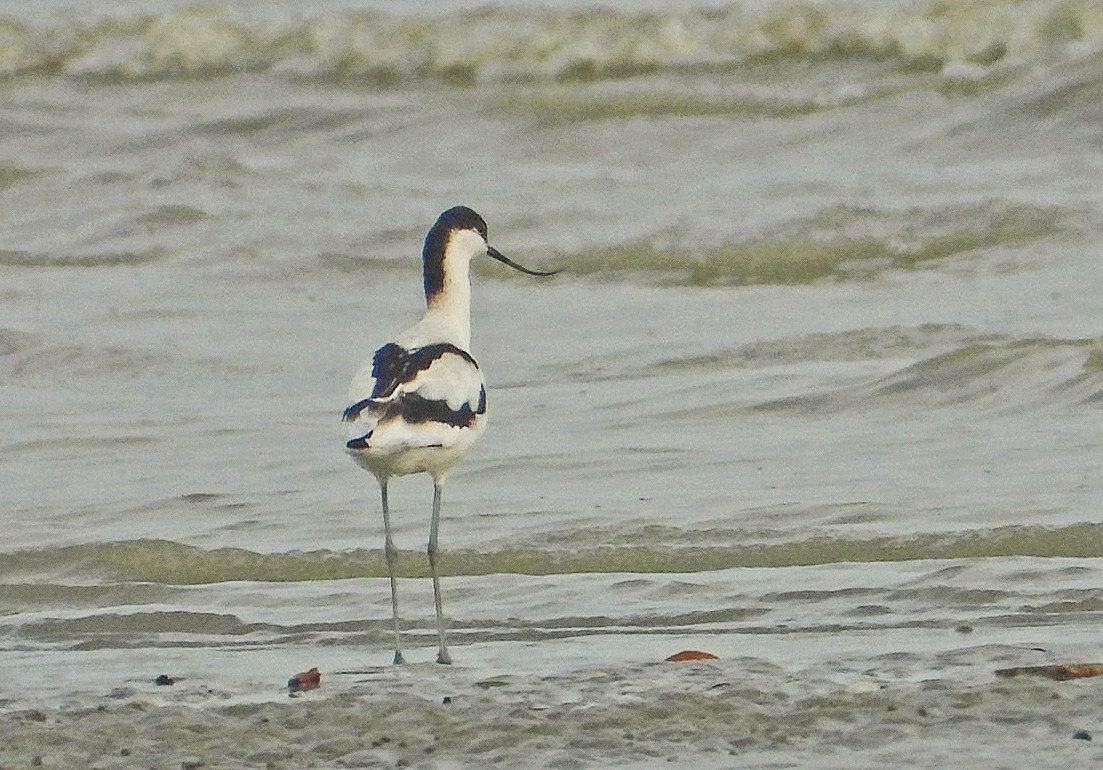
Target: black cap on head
[
  {"x": 461, "y": 218},
  {"x": 457, "y": 218}
]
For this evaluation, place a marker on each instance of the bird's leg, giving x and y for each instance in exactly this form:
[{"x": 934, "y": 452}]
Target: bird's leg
[
  {"x": 434, "y": 524},
  {"x": 391, "y": 553}
]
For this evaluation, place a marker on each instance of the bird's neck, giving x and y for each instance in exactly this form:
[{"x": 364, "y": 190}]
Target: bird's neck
[{"x": 449, "y": 310}]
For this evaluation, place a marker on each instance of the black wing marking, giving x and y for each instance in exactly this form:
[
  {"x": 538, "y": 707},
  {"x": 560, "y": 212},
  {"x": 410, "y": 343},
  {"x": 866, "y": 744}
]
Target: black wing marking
[
  {"x": 351, "y": 413},
  {"x": 394, "y": 365},
  {"x": 389, "y": 367},
  {"x": 359, "y": 443},
  {"x": 414, "y": 408}
]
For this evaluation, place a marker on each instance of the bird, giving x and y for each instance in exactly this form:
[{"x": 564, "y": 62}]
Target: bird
[{"x": 419, "y": 403}]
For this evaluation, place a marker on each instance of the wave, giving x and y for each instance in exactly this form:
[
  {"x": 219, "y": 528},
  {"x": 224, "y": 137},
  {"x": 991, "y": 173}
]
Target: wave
[
  {"x": 961, "y": 40},
  {"x": 77, "y": 363},
  {"x": 839, "y": 243},
  {"x": 1004, "y": 373},
  {"x": 27, "y": 358},
  {"x": 167, "y": 562},
  {"x": 19, "y": 258}
]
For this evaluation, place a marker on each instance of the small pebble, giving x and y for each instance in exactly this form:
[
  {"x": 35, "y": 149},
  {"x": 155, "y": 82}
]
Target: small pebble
[
  {"x": 447, "y": 700},
  {"x": 1081, "y": 735},
  {"x": 164, "y": 680}
]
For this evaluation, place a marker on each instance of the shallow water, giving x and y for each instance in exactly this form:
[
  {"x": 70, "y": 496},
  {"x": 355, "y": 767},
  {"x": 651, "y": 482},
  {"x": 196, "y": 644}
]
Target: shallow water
[{"x": 817, "y": 389}]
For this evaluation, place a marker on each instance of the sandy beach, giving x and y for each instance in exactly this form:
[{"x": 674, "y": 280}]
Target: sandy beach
[{"x": 743, "y": 712}]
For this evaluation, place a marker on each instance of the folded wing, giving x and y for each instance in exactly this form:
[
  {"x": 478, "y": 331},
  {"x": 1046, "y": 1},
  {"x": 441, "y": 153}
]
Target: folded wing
[{"x": 424, "y": 397}]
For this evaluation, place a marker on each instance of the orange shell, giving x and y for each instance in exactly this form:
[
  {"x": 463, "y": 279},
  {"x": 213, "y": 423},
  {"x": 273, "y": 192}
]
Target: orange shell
[
  {"x": 305, "y": 680},
  {"x": 691, "y": 655},
  {"x": 1059, "y": 672}
]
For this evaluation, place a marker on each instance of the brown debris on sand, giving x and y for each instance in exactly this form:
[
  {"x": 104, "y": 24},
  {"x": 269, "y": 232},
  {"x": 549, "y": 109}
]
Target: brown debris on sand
[
  {"x": 678, "y": 657},
  {"x": 1059, "y": 672},
  {"x": 305, "y": 680}
]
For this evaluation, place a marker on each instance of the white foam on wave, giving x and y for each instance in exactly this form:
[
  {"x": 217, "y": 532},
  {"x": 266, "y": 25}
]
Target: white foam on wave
[{"x": 503, "y": 44}]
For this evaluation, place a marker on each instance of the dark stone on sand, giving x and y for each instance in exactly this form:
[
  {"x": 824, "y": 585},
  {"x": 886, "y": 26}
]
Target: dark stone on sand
[
  {"x": 1081, "y": 735},
  {"x": 164, "y": 680}
]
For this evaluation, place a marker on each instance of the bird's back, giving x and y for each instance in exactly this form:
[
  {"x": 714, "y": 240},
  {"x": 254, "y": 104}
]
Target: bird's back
[{"x": 415, "y": 407}]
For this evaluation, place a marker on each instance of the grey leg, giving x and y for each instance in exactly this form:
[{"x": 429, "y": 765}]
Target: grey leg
[
  {"x": 434, "y": 524},
  {"x": 391, "y": 553}
]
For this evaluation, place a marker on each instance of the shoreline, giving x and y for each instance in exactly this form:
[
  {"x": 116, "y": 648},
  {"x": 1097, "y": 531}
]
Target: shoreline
[{"x": 700, "y": 713}]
